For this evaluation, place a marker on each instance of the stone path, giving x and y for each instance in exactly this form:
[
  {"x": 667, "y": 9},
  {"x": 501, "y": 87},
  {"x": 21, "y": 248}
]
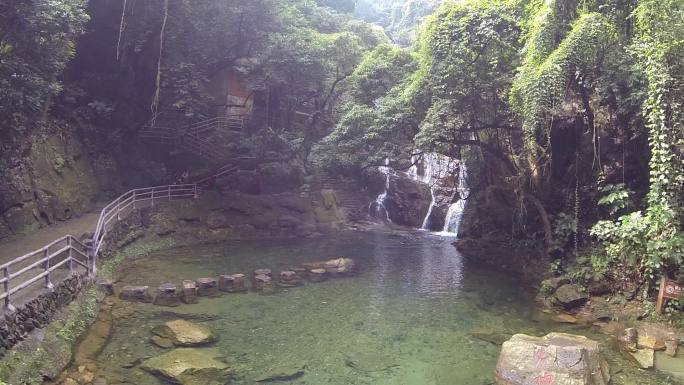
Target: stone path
[
  {"x": 21, "y": 244},
  {"x": 18, "y": 245}
]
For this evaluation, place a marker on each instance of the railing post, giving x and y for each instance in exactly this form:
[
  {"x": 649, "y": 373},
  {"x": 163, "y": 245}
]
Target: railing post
[
  {"x": 135, "y": 194},
  {"x": 118, "y": 210},
  {"x": 169, "y": 191},
  {"x": 195, "y": 190},
  {"x": 71, "y": 255},
  {"x": 48, "y": 284},
  {"x": 152, "y": 204},
  {"x": 8, "y": 303}
]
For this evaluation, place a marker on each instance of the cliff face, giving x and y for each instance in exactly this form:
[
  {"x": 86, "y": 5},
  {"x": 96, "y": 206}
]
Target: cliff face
[{"x": 47, "y": 178}]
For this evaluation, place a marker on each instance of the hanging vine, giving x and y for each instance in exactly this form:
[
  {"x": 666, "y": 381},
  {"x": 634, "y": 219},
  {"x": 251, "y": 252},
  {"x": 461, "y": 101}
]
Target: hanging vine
[
  {"x": 155, "y": 101},
  {"x": 122, "y": 26}
]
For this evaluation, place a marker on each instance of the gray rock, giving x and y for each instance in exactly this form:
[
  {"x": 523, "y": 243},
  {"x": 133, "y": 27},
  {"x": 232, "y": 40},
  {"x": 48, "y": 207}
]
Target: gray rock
[
  {"x": 189, "y": 366},
  {"x": 185, "y": 333},
  {"x": 570, "y": 295},
  {"x": 136, "y": 294},
  {"x": 556, "y": 358}
]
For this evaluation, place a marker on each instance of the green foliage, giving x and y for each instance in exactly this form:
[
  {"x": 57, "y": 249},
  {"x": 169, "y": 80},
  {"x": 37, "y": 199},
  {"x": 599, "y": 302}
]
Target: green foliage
[
  {"x": 615, "y": 198},
  {"x": 540, "y": 88},
  {"x": 563, "y": 232},
  {"x": 36, "y": 40}
]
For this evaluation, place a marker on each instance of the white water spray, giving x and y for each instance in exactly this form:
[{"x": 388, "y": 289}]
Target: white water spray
[
  {"x": 455, "y": 212},
  {"x": 377, "y": 208}
]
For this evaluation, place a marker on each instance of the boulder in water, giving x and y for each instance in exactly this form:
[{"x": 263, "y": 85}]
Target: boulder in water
[
  {"x": 185, "y": 333},
  {"x": 188, "y": 366},
  {"x": 556, "y": 358}
]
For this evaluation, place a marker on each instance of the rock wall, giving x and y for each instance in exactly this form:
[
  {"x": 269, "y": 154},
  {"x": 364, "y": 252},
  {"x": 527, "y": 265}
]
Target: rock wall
[
  {"x": 37, "y": 313},
  {"x": 45, "y": 179}
]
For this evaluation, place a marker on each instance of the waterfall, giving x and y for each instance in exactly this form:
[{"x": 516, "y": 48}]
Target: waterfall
[
  {"x": 377, "y": 208},
  {"x": 455, "y": 211},
  {"x": 436, "y": 167},
  {"x": 426, "y": 221}
]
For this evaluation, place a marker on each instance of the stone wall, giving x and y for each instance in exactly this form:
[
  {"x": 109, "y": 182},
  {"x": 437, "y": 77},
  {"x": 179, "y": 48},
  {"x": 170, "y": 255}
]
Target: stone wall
[{"x": 37, "y": 313}]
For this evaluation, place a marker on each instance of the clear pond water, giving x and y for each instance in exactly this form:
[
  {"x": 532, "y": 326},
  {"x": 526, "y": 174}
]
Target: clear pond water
[{"x": 410, "y": 317}]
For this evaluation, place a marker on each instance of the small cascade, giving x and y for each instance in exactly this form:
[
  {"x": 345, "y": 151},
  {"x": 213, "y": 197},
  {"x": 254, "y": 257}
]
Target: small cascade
[
  {"x": 436, "y": 167},
  {"x": 377, "y": 208},
  {"x": 426, "y": 221},
  {"x": 455, "y": 211}
]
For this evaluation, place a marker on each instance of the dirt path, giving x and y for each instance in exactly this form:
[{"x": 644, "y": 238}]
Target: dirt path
[{"x": 18, "y": 245}]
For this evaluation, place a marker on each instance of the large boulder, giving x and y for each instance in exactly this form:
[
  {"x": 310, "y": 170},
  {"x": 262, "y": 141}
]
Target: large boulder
[
  {"x": 557, "y": 358},
  {"x": 569, "y": 295},
  {"x": 407, "y": 201},
  {"x": 189, "y": 366},
  {"x": 185, "y": 333}
]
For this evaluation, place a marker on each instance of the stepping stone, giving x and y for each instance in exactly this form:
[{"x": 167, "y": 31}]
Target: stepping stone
[
  {"x": 136, "y": 294},
  {"x": 207, "y": 287},
  {"x": 288, "y": 278},
  {"x": 167, "y": 295},
  {"x": 189, "y": 292},
  {"x": 267, "y": 272},
  {"x": 264, "y": 284},
  {"x": 317, "y": 275},
  {"x": 106, "y": 286},
  {"x": 301, "y": 272},
  {"x": 232, "y": 283}
]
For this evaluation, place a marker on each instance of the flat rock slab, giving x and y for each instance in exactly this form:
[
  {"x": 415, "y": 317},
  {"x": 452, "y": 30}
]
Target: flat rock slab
[
  {"x": 189, "y": 366},
  {"x": 185, "y": 333},
  {"x": 645, "y": 358},
  {"x": 555, "y": 359}
]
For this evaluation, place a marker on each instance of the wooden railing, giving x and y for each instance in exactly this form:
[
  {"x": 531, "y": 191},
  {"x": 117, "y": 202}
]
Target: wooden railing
[
  {"x": 40, "y": 264},
  {"x": 198, "y": 138},
  {"x": 69, "y": 252},
  {"x": 128, "y": 201}
]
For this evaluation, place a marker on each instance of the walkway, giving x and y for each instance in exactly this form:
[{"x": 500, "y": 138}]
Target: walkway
[{"x": 20, "y": 244}]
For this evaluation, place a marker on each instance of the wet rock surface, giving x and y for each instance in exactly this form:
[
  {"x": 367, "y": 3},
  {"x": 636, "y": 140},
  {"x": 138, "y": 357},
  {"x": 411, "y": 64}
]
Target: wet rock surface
[
  {"x": 185, "y": 333},
  {"x": 189, "y": 366}
]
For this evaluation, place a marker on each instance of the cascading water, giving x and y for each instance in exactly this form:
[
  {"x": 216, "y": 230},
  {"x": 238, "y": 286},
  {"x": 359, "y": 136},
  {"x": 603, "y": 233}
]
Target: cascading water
[
  {"x": 377, "y": 208},
  {"x": 455, "y": 211},
  {"x": 436, "y": 167}
]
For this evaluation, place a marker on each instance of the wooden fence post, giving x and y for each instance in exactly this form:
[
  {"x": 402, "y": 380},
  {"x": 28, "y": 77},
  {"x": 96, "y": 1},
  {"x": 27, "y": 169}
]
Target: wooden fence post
[
  {"x": 71, "y": 255},
  {"x": 48, "y": 284},
  {"x": 661, "y": 294}
]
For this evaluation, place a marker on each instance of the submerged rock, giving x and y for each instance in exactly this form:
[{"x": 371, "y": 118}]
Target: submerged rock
[
  {"x": 570, "y": 295},
  {"x": 185, "y": 333},
  {"x": 556, "y": 358},
  {"x": 189, "y": 366},
  {"x": 287, "y": 372},
  {"x": 643, "y": 357}
]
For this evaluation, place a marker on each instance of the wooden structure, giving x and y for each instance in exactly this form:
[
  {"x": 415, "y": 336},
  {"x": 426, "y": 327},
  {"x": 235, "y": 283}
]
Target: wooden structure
[{"x": 668, "y": 290}]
